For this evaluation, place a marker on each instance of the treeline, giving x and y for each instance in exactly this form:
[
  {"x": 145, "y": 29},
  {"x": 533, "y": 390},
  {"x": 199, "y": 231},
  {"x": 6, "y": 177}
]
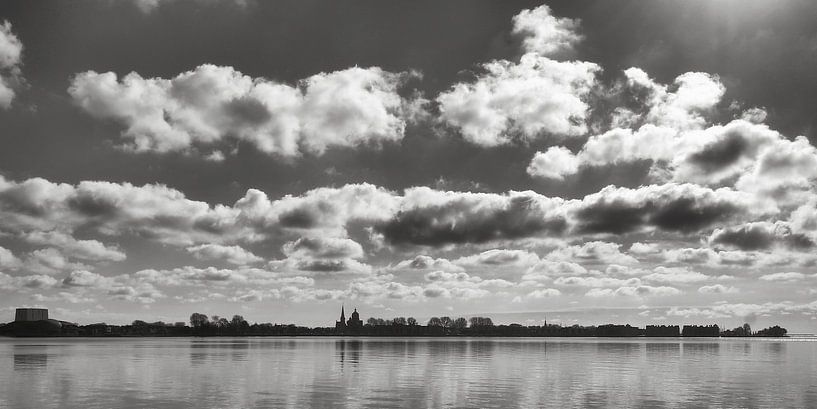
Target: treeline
[
  {"x": 202, "y": 325},
  {"x": 445, "y": 322},
  {"x": 746, "y": 331}
]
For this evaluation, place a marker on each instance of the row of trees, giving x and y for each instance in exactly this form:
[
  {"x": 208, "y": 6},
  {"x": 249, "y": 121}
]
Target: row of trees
[
  {"x": 746, "y": 331},
  {"x": 236, "y": 325},
  {"x": 444, "y": 322},
  {"x": 379, "y": 322}
]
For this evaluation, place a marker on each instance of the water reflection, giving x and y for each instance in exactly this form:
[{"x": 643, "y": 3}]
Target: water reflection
[
  {"x": 348, "y": 351},
  {"x": 26, "y": 362},
  {"x": 408, "y": 373}
]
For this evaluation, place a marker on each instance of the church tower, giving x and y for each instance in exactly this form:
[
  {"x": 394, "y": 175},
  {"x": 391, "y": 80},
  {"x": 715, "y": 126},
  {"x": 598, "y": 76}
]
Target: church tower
[
  {"x": 354, "y": 320},
  {"x": 342, "y": 323}
]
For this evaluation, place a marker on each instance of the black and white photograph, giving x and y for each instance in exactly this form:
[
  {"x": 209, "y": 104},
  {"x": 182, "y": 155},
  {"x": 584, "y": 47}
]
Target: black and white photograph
[{"x": 408, "y": 204}]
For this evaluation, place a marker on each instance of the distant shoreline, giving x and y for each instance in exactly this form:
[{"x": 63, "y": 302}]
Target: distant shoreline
[
  {"x": 363, "y": 337},
  {"x": 55, "y": 328}
]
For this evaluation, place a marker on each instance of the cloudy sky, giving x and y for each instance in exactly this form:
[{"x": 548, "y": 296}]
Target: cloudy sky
[{"x": 584, "y": 161}]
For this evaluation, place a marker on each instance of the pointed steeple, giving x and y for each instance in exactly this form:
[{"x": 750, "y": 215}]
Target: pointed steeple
[{"x": 341, "y": 324}]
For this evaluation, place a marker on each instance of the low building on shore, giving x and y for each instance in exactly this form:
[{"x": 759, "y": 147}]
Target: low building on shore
[{"x": 30, "y": 314}]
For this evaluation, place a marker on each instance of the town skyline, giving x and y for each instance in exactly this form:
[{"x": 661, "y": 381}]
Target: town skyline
[{"x": 542, "y": 164}]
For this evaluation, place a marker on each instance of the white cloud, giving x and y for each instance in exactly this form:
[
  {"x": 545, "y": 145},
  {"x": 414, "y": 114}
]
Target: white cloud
[
  {"x": 544, "y": 33},
  {"x": 675, "y": 275},
  {"x": 593, "y": 252},
  {"x": 33, "y": 281},
  {"x": 717, "y": 289},
  {"x": 323, "y": 248},
  {"x": 84, "y": 278},
  {"x": 790, "y": 276},
  {"x": 555, "y": 163},
  {"x": 639, "y": 291},
  {"x": 499, "y": 257},
  {"x": 232, "y": 254},
  {"x": 423, "y": 262},
  {"x": 682, "y": 106},
  {"x": 533, "y": 97},
  {"x": 203, "y": 107},
  {"x": 11, "y": 50},
  {"x": 49, "y": 261},
  {"x": 8, "y": 260},
  {"x": 544, "y": 293},
  {"x": 91, "y": 250},
  {"x": 547, "y": 270},
  {"x": 643, "y": 249}
]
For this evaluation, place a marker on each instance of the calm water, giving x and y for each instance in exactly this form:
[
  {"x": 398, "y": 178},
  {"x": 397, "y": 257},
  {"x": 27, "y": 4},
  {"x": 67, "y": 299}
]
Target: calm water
[{"x": 384, "y": 372}]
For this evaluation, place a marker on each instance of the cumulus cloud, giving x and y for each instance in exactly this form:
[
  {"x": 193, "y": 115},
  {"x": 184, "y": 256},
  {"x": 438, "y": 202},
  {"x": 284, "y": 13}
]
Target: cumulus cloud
[
  {"x": 499, "y": 257},
  {"x": 323, "y": 255},
  {"x": 525, "y": 100},
  {"x": 160, "y": 213},
  {"x": 522, "y": 100},
  {"x": 232, "y": 254},
  {"x": 683, "y": 208},
  {"x": 555, "y": 163},
  {"x": 546, "y": 270},
  {"x": 33, "y": 281},
  {"x": 49, "y": 212},
  {"x": 717, "y": 289},
  {"x": 639, "y": 291},
  {"x": 8, "y": 260},
  {"x": 790, "y": 276},
  {"x": 596, "y": 282},
  {"x": 592, "y": 252},
  {"x": 760, "y": 236},
  {"x": 210, "y": 104},
  {"x": 545, "y": 34},
  {"x": 643, "y": 249},
  {"x": 328, "y": 210},
  {"x": 423, "y": 262},
  {"x": 91, "y": 250},
  {"x": 691, "y": 255},
  {"x": 84, "y": 278},
  {"x": 212, "y": 276},
  {"x": 151, "y": 211},
  {"x": 715, "y": 155},
  {"x": 544, "y": 293},
  {"x": 144, "y": 293},
  {"x": 683, "y": 105},
  {"x": 433, "y": 218},
  {"x": 11, "y": 50},
  {"x": 678, "y": 275},
  {"x": 742, "y": 310},
  {"x": 323, "y": 248},
  {"x": 673, "y": 134},
  {"x": 49, "y": 261}
]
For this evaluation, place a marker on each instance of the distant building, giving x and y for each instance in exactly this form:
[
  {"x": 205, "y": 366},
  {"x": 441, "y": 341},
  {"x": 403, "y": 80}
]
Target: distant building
[
  {"x": 31, "y": 314},
  {"x": 342, "y": 323},
  {"x": 354, "y": 321}
]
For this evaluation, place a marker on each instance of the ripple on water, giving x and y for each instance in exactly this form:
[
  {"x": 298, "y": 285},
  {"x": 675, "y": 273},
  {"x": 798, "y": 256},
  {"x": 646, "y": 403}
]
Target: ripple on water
[{"x": 397, "y": 373}]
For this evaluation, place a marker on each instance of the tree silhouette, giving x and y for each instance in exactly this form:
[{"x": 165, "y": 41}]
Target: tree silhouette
[
  {"x": 198, "y": 320},
  {"x": 477, "y": 322},
  {"x": 237, "y": 321}
]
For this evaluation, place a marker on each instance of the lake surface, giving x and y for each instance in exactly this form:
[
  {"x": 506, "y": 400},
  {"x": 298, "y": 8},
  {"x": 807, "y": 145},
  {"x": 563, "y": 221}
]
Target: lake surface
[{"x": 406, "y": 373}]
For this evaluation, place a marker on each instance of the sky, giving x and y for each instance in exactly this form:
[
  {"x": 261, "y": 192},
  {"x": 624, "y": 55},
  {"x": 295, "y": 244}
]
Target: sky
[{"x": 580, "y": 162}]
